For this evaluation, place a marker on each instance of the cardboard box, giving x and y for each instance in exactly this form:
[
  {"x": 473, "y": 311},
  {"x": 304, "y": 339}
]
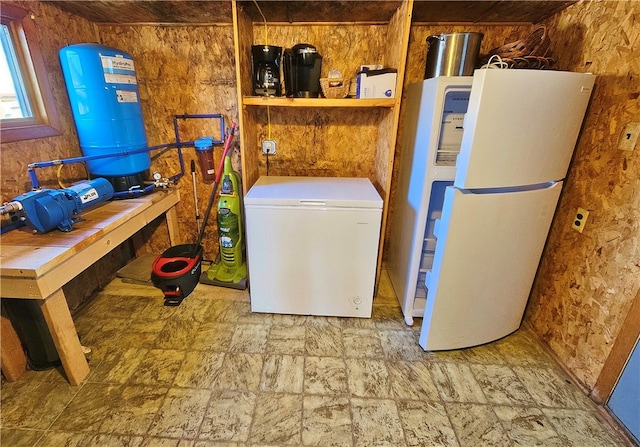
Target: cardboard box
[
  {"x": 370, "y": 67},
  {"x": 377, "y": 84}
]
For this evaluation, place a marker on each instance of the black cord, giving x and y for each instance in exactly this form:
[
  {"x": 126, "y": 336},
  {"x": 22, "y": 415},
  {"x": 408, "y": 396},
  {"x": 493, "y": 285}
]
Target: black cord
[{"x": 267, "y": 163}]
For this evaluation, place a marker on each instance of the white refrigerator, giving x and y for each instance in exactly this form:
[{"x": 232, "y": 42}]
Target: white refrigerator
[
  {"x": 518, "y": 136},
  {"x": 520, "y": 131},
  {"x": 312, "y": 245}
]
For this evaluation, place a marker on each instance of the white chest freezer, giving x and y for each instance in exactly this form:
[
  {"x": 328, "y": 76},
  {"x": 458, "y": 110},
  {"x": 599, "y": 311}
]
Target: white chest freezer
[{"x": 312, "y": 245}]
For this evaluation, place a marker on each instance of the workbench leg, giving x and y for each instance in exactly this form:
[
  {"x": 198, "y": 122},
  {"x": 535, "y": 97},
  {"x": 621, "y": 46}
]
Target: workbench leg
[
  {"x": 13, "y": 362},
  {"x": 172, "y": 224},
  {"x": 137, "y": 241},
  {"x": 63, "y": 331}
]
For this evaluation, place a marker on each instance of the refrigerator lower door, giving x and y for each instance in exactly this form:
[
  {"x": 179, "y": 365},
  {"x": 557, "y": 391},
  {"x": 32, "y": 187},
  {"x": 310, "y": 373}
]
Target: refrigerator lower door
[
  {"x": 310, "y": 260},
  {"x": 487, "y": 253}
]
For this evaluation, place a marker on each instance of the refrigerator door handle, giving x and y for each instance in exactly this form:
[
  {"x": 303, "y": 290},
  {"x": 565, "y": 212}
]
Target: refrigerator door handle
[{"x": 437, "y": 228}]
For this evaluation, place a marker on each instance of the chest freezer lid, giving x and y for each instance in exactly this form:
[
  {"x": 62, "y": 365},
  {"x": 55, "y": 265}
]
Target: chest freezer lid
[{"x": 341, "y": 192}]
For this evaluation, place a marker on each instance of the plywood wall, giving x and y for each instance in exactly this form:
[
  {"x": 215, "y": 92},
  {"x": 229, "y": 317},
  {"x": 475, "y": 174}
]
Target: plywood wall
[
  {"x": 55, "y": 30},
  {"x": 586, "y": 282},
  {"x": 320, "y": 141},
  {"x": 182, "y": 70}
]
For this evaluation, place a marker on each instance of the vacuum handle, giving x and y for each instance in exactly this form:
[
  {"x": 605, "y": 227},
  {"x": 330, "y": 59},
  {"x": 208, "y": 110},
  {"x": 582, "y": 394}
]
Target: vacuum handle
[
  {"x": 227, "y": 146},
  {"x": 212, "y": 196}
]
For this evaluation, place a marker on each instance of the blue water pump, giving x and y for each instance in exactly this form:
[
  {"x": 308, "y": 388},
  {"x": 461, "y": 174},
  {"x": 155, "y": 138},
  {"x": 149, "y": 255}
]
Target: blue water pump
[{"x": 46, "y": 209}]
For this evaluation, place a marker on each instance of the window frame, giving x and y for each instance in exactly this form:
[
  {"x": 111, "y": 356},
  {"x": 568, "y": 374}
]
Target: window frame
[{"x": 45, "y": 121}]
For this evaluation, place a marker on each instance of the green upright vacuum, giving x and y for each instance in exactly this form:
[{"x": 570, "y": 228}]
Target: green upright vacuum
[{"x": 229, "y": 269}]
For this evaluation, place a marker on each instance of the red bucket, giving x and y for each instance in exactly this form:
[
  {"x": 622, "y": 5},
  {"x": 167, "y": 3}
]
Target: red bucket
[{"x": 177, "y": 271}]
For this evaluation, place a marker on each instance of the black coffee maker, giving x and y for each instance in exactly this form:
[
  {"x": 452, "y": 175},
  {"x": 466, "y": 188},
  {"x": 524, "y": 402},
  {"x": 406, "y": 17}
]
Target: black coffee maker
[
  {"x": 266, "y": 70},
  {"x": 302, "y": 65}
]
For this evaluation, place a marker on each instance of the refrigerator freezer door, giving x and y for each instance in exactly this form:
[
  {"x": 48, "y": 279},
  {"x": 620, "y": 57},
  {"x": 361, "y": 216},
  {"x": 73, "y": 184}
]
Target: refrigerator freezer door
[
  {"x": 427, "y": 107},
  {"x": 521, "y": 127},
  {"x": 487, "y": 254}
]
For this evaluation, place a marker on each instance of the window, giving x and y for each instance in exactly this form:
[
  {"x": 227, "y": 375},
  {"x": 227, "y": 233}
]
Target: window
[{"x": 27, "y": 108}]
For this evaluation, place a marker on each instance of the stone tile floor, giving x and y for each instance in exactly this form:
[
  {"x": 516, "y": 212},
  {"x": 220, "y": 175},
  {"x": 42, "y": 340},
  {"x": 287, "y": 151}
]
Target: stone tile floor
[{"x": 209, "y": 373}]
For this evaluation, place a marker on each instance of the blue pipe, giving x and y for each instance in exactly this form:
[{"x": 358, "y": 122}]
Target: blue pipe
[
  {"x": 134, "y": 192},
  {"x": 35, "y": 183},
  {"x": 12, "y": 226}
]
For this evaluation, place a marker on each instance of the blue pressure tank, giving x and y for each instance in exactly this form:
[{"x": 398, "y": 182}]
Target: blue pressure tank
[{"x": 103, "y": 92}]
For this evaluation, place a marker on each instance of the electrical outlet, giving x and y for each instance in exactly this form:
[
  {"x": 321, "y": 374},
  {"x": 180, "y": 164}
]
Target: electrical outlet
[
  {"x": 629, "y": 137},
  {"x": 269, "y": 147},
  {"x": 580, "y": 219}
]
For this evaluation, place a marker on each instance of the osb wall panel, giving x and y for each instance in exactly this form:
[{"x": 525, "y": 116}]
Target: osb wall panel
[
  {"x": 384, "y": 152},
  {"x": 494, "y": 36},
  {"x": 344, "y": 47},
  {"x": 320, "y": 142},
  {"x": 586, "y": 282},
  {"x": 396, "y": 55},
  {"x": 55, "y": 30},
  {"x": 323, "y": 142},
  {"x": 182, "y": 70}
]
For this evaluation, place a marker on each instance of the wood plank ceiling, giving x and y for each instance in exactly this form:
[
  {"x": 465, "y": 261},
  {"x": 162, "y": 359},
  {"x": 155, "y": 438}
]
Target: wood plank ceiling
[{"x": 219, "y": 12}]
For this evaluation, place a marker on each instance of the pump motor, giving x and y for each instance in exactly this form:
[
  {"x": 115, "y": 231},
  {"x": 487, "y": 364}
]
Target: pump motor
[{"x": 46, "y": 209}]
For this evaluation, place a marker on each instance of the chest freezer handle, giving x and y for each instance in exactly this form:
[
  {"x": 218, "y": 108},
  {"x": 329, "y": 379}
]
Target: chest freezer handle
[{"x": 313, "y": 202}]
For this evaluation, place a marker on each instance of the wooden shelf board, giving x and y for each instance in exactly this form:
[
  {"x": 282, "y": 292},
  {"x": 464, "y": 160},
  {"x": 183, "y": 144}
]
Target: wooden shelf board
[{"x": 317, "y": 102}]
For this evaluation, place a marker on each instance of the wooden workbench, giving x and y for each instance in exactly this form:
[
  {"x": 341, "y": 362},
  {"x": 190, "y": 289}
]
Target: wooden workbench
[{"x": 37, "y": 266}]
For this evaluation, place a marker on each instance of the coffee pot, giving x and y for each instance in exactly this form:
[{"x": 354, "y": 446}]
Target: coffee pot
[{"x": 265, "y": 60}]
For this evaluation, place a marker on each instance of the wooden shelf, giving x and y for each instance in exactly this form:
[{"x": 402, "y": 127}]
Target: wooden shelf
[
  {"x": 317, "y": 133},
  {"x": 317, "y": 102}
]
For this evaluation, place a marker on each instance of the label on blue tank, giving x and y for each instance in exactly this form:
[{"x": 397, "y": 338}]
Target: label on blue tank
[
  {"x": 126, "y": 96},
  {"x": 118, "y": 70}
]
